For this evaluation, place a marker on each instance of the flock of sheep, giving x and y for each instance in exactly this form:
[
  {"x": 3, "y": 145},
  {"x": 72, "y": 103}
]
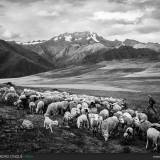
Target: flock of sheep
[{"x": 101, "y": 115}]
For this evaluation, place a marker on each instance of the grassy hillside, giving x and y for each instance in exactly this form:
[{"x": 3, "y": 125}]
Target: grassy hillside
[{"x": 16, "y": 61}]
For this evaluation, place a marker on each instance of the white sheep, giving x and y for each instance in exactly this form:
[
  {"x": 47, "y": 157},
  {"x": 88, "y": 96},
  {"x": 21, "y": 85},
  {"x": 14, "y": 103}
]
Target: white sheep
[
  {"x": 118, "y": 114},
  {"x": 67, "y": 117},
  {"x": 116, "y": 108},
  {"x": 55, "y": 107},
  {"x": 141, "y": 116},
  {"x": 79, "y": 106},
  {"x": 128, "y": 134},
  {"x": 93, "y": 110},
  {"x": 84, "y": 105},
  {"x": 105, "y": 104},
  {"x": 22, "y": 97},
  {"x": 33, "y": 98},
  {"x": 75, "y": 112},
  {"x": 108, "y": 126},
  {"x": 152, "y": 136},
  {"x": 95, "y": 122},
  {"x": 126, "y": 120},
  {"x": 143, "y": 127},
  {"x": 32, "y": 107},
  {"x": 40, "y": 107},
  {"x": 48, "y": 123},
  {"x": 130, "y": 111},
  {"x": 104, "y": 113},
  {"x": 82, "y": 121}
]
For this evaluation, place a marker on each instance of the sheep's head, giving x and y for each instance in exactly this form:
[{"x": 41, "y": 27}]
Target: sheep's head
[
  {"x": 15, "y": 103},
  {"x": 36, "y": 110},
  {"x": 55, "y": 123},
  {"x": 136, "y": 121},
  {"x": 106, "y": 136},
  {"x": 125, "y": 135},
  {"x": 121, "y": 120}
]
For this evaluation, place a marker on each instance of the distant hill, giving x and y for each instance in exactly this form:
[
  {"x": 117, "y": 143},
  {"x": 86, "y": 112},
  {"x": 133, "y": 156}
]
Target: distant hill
[
  {"x": 27, "y": 58},
  {"x": 124, "y": 52},
  {"x": 78, "y": 47},
  {"x": 16, "y": 61}
]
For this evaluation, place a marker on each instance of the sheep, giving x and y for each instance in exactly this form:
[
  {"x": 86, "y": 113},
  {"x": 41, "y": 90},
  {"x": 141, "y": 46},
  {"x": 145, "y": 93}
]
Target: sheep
[
  {"x": 82, "y": 121},
  {"x": 33, "y": 98},
  {"x": 126, "y": 120},
  {"x": 152, "y": 136},
  {"x": 115, "y": 108},
  {"x": 84, "y": 110},
  {"x": 32, "y": 107},
  {"x": 130, "y": 111},
  {"x": 95, "y": 121},
  {"x": 105, "y": 104},
  {"x": 22, "y": 97},
  {"x": 128, "y": 132},
  {"x": 93, "y": 110},
  {"x": 52, "y": 109},
  {"x": 118, "y": 114},
  {"x": 55, "y": 107},
  {"x": 143, "y": 127},
  {"x": 72, "y": 104},
  {"x": 75, "y": 112},
  {"x": 48, "y": 123},
  {"x": 67, "y": 117},
  {"x": 108, "y": 126},
  {"x": 62, "y": 107},
  {"x": 40, "y": 107},
  {"x": 128, "y": 135},
  {"x": 136, "y": 124},
  {"x": 141, "y": 116},
  {"x": 104, "y": 113},
  {"x": 84, "y": 105}
]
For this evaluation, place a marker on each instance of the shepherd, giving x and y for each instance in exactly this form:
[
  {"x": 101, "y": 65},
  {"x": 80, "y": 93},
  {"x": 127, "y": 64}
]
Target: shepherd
[{"x": 151, "y": 102}]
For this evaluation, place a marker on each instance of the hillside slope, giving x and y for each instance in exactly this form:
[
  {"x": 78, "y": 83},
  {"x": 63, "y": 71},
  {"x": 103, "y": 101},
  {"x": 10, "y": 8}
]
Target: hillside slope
[{"x": 16, "y": 61}]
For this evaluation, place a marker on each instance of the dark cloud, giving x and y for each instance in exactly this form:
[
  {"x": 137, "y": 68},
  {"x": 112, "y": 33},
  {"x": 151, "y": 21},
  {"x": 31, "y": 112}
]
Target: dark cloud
[
  {"x": 23, "y": 1},
  {"x": 148, "y": 29},
  {"x": 77, "y": 3},
  {"x": 1, "y": 6}
]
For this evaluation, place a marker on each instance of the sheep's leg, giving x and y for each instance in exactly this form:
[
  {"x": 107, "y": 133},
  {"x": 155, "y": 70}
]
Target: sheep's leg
[
  {"x": 47, "y": 126},
  {"x": 44, "y": 124},
  {"x": 155, "y": 149},
  {"x": 147, "y": 144},
  {"x": 50, "y": 126}
]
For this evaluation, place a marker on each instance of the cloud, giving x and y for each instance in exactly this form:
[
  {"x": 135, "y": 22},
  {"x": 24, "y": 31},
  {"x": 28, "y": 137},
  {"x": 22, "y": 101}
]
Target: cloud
[
  {"x": 126, "y": 16},
  {"x": 45, "y": 13},
  {"x": 7, "y": 34},
  {"x": 42, "y": 19}
]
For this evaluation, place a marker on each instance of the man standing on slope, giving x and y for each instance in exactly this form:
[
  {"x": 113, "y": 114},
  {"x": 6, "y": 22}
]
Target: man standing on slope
[{"x": 151, "y": 102}]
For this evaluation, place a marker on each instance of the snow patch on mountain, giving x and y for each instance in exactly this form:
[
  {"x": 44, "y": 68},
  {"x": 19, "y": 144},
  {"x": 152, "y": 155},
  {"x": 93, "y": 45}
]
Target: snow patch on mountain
[
  {"x": 93, "y": 36},
  {"x": 68, "y": 38},
  {"x": 30, "y": 42}
]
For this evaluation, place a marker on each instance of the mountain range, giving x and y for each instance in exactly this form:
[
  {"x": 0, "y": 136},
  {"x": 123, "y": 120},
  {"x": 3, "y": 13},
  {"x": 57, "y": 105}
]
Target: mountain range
[{"x": 24, "y": 58}]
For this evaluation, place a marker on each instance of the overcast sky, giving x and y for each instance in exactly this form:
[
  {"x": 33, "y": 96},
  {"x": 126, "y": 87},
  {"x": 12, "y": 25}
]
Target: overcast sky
[{"x": 26, "y": 20}]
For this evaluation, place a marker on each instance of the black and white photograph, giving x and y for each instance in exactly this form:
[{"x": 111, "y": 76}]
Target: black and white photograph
[{"x": 79, "y": 76}]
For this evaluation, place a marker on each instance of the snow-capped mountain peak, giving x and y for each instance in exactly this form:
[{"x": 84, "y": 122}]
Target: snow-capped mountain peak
[{"x": 77, "y": 36}]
